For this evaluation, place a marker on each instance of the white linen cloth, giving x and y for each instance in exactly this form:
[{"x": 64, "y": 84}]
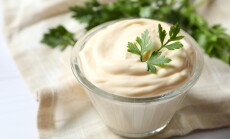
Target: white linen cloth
[{"x": 65, "y": 111}]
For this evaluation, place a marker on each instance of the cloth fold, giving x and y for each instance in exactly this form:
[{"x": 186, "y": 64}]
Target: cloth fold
[{"x": 65, "y": 110}]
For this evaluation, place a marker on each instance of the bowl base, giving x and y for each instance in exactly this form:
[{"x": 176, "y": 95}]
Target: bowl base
[{"x": 138, "y": 135}]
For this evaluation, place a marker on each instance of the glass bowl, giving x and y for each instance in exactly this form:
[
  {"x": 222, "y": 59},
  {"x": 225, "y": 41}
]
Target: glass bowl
[{"x": 135, "y": 117}]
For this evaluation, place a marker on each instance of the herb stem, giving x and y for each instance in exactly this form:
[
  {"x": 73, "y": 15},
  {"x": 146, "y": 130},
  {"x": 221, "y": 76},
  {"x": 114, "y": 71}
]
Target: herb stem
[{"x": 163, "y": 45}]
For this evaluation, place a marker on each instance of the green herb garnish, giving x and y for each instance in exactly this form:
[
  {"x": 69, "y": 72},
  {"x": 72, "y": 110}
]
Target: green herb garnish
[
  {"x": 146, "y": 46},
  {"x": 58, "y": 36},
  {"x": 145, "y": 43},
  {"x": 213, "y": 39}
]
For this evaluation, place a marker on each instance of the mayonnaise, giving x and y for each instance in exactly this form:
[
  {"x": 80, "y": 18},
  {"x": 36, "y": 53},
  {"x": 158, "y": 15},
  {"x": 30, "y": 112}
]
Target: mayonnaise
[{"x": 106, "y": 62}]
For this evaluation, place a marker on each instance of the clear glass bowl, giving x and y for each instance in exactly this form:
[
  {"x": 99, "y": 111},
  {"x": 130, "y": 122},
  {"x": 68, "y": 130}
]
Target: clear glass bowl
[{"x": 132, "y": 116}]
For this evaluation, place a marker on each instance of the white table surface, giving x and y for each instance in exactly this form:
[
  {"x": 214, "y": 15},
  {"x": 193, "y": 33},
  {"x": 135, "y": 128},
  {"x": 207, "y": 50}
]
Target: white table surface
[{"x": 18, "y": 110}]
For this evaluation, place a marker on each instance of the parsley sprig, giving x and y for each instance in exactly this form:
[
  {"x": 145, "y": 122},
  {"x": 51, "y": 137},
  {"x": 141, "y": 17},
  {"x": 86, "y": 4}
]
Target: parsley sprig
[
  {"x": 59, "y": 36},
  {"x": 213, "y": 39},
  {"x": 146, "y": 47}
]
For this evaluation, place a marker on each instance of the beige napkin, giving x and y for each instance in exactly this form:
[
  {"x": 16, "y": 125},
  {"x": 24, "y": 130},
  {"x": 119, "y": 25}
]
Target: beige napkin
[{"x": 65, "y": 111}]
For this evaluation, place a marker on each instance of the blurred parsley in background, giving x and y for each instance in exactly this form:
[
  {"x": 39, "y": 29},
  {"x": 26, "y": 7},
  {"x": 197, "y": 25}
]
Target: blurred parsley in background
[{"x": 213, "y": 39}]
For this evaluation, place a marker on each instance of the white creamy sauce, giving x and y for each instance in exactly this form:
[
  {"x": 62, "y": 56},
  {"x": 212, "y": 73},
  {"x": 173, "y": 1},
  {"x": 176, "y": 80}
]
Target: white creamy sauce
[{"x": 106, "y": 62}]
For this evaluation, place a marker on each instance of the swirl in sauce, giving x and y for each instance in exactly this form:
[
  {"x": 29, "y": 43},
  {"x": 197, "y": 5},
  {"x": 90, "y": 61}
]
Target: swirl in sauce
[{"x": 107, "y": 64}]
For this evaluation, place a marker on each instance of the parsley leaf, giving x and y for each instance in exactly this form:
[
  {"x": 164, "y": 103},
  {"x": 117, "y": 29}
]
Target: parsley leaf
[
  {"x": 156, "y": 59},
  {"x": 58, "y": 36},
  {"x": 173, "y": 34},
  {"x": 145, "y": 43},
  {"x": 174, "y": 30},
  {"x": 146, "y": 46},
  {"x": 173, "y": 46},
  {"x": 133, "y": 48},
  {"x": 162, "y": 34}
]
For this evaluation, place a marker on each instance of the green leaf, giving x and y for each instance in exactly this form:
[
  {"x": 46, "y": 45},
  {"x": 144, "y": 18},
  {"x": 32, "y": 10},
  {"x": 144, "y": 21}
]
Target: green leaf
[
  {"x": 162, "y": 34},
  {"x": 139, "y": 41},
  {"x": 145, "y": 43},
  {"x": 174, "y": 30},
  {"x": 173, "y": 46},
  {"x": 133, "y": 48},
  {"x": 177, "y": 38},
  {"x": 58, "y": 36},
  {"x": 156, "y": 59},
  {"x": 152, "y": 68}
]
